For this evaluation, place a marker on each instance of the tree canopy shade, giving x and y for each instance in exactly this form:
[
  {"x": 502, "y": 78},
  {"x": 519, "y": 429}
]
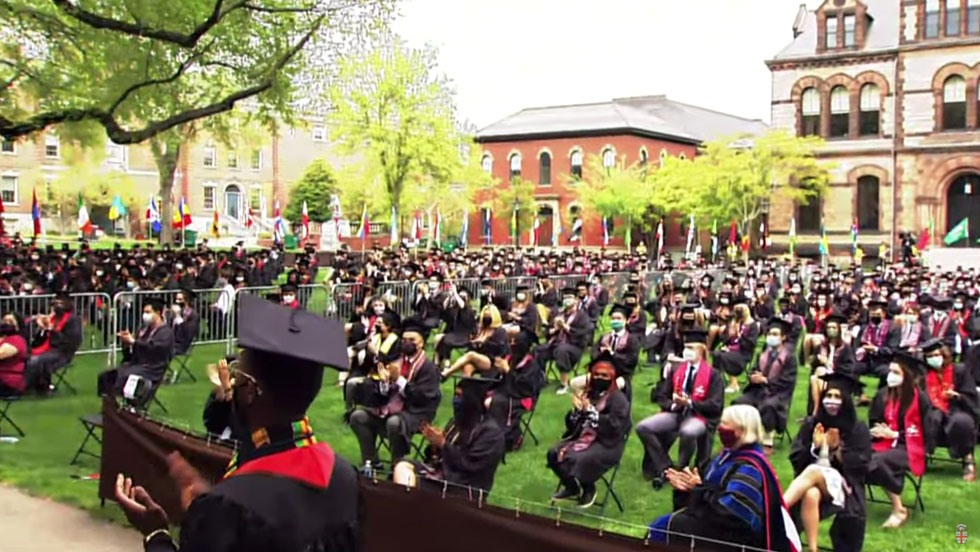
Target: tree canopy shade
[
  {"x": 138, "y": 69},
  {"x": 393, "y": 110},
  {"x": 316, "y": 187}
]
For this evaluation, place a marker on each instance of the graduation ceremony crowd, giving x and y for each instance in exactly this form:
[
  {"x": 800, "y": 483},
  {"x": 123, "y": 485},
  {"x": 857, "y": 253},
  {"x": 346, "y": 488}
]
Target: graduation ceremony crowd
[{"x": 889, "y": 358}]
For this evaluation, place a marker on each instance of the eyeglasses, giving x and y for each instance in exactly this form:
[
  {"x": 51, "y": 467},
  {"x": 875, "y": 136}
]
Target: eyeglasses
[{"x": 239, "y": 375}]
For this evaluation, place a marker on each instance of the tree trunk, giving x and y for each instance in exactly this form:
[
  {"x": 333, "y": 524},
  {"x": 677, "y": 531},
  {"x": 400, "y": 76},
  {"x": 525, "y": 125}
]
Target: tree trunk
[{"x": 166, "y": 151}]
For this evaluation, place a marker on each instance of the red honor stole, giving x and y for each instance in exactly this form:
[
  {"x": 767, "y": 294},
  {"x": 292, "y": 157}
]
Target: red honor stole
[
  {"x": 312, "y": 465},
  {"x": 702, "y": 382},
  {"x": 914, "y": 439},
  {"x": 46, "y": 345},
  {"x": 937, "y": 387}
]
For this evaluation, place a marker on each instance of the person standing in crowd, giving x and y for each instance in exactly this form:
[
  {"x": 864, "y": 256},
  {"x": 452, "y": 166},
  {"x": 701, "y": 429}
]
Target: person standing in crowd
[
  {"x": 830, "y": 460},
  {"x": 317, "y": 502},
  {"x": 737, "y": 501},
  {"x": 691, "y": 402},
  {"x": 952, "y": 391},
  {"x": 595, "y": 435},
  {"x": 55, "y": 344}
]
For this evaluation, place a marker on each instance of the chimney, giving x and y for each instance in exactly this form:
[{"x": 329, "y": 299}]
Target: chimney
[{"x": 800, "y": 20}]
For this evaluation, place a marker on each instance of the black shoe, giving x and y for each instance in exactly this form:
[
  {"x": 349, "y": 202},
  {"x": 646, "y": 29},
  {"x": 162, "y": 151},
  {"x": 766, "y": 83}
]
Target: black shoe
[
  {"x": 657, "y": 483},
  {"x": 345, "y": 418},
  {"x": 567, "y": 493},
  {"x": 587, "y": 499}
]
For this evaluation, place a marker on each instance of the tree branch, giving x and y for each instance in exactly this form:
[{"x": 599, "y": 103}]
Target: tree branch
[{"x": 152, "y": 82}]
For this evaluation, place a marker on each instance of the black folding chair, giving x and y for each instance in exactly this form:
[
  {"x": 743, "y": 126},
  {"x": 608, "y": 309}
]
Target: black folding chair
[
  {"x": 525, "y": 421},
  {"x": 5, "y": 404},
  {"x": 93, "y": 425},
  {"x": 59, "y": 379},
  {"x": 182, "y": 369},
  {"x": 916, "y": 483}
]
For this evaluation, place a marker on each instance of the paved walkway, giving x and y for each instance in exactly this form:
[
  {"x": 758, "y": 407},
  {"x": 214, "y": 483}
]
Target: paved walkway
[{"x": 29, "y": 524}]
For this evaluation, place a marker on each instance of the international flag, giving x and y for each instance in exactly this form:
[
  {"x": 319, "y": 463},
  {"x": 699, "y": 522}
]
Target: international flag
[
  {"x": 394, "y": 226},
  {"x": 576, "y": 230},
  {"x": 249, "y": 217},
  {"x": 792, "y": 236},
  {"x": 715, "y": 239},
  {"x": 35, "y": 214},
  {"x": 417, "y": 226},
  {"x": 152, "y": 215},
  {"x": 182, "y": 218},
  {"x": 513, "y": 224},
  {"x": 925, "y": 238},
  {"x": 733, "y": 234},
  {"x": 824, "y": 242},
  {"x": 365, "y": 224},
  {"x": 278, "y": 228},
  {"x": 305, "y": 221},
  {"x": 215, "y": 227},
  {"x": 556, "y": 235},
  {"x": 464, "y": 234},
  {"x": 437, "y": 228},
  {"x": 660, "y": 238},
  {"x": 959, "y": 232},
  {"x": 84, "y": 224},
  {"x": 763, "y": 235},
  {"x": 629, "y": 234},
  {"x": 605, "y": 231},
  {"x": 535, "y": 230},
  {"x": 117, "y": 210},
  {"x": 488, "y": 225},
  {"x": 854, "y": 236},
  {"x": 690, "y": 235},
  {"x": 337, "y": 215}
]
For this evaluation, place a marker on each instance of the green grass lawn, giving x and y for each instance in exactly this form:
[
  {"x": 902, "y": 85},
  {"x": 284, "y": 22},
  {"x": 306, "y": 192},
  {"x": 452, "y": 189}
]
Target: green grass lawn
[{"x": 39, "y": 462}]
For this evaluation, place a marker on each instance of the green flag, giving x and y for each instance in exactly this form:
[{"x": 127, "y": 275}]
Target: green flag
[
  {"x": 629, "y": 234},
  {"x": 959, "y": 232}
]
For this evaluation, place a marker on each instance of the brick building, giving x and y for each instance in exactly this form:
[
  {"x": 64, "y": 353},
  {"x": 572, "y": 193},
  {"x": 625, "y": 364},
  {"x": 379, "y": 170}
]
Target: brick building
[
  {"x": 210, "y": 176},
  {"x": 548, "y": 146},
  {"x": 892, "y": 86}
]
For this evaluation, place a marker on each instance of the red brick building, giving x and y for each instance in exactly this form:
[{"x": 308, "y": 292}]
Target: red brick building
[{"x": 548, "y": 146}]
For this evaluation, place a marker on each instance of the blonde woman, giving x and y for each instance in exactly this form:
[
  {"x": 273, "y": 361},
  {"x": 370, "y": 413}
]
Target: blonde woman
[
  {"x": 487, "y": 348},
  {"x": 737, "y": 345}
]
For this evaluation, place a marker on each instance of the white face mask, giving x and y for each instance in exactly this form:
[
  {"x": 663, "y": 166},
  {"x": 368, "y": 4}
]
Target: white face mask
[
  {"x": 690, "y": 355},
  {"x": 288, "y": 299},
  {"x": 894, "y": 380},
  {"x": 379, "y": 310},
  {"x": 935, "y": 361},
  {"x": 773, "y": 341},
  {"x": 832, "y": 406},
  {"x": 176, "y": 309},
  {"x": 147, "y": 318}
]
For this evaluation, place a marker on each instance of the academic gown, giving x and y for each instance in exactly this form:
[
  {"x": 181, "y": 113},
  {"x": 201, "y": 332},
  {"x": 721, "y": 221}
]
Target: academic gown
[
  {"x": 955, "y": 429},
  {"x": 470, "y": 458},
  {"x": 282, "y": 510},
  {"x": 847, "y": 530},
  {"x": 774, "y": 397},
  {"x": 588, "y": 465},
  {"x": 887, "y": 468},
  {"x": 516, "y": 395},
  {"x": 887, "y": 340},
  {"x": 736, "y": 355},
  {"x": 186, "y": 332},
  {"x": 460, "y": 325}
]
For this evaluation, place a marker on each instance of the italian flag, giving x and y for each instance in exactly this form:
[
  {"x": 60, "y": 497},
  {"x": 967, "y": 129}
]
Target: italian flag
[{"x": 84, "y": 224}]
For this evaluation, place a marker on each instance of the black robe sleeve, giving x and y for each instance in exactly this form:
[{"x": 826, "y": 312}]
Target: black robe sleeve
[
  {"x": 423, "y": 389},
  {"x": 477, "y": 461},
  {"x": 614, "y": 420},
  {"x": 968, "y": 400},
  {"x": 663, "y": 394}
]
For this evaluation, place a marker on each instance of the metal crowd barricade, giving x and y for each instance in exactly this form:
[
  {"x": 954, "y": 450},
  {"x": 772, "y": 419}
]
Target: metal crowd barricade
[
  {"x": 616, "y": 283},
  {"x": 471, "y": 285},
  {"x": 508, "y": 286},
  {"x": 94, "y": 309},
  {"x": 399, "y": 296}
]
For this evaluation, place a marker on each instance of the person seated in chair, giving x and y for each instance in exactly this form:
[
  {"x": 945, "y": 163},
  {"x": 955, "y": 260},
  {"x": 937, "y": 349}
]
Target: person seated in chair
[
  {"x": 953, "y": 395},
  {"x": 587, "y": 302},
  {"x": 146, "y": 355},
  {"x": 397, "y": 402},
  {"x": 383, "y": 349},
  {"x": 460, "y": 324},
  {"x": 738, "y": 500},
  {"x": 13, "y": 356},
  {"x": 897, "y": 416},
  {"x": 738, "y": 342},
  {"x": 487, "y": 348},
  {"x": 830, "y": 459},
  {"x": 55, "y": 344},
  {"x": 636, "y": 321},
  {"x": 876, "y": 342},
  {"x": 829, "y": 354},
  {"x": 691, "y": 401},
  {"x": 185, "y": 322},
  {"x": 465, "y": 454},
  {"x": 523, "y": 320},
  {"x": 771, "y": 384},
  {"x": 568, "y": 337},
  {"x": 522, "y": 382},
  {"x": 595, "y": 435}
]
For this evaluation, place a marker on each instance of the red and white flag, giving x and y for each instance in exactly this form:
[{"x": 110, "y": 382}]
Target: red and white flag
[{"x": 306, "y": 222}]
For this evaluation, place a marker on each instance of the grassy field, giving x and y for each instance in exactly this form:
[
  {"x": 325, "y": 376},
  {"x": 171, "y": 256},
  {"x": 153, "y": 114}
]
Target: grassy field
[{"x": 39, "y": 462}]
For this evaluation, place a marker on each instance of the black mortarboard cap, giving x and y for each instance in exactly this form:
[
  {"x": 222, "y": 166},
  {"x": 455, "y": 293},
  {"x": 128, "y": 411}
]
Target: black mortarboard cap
[
  {"x": 725, "y": 299},
  {"x": 188, "y": 293},
  {"x": 696, "y": 335},
  {"x": 568, "y": 291},
  {"x": 630, "y": 295},
  {"x": 942, "y": 303},
  {"x": 931, "y": 345},
  {"x": 622, "y": 309},
  {"x": 837, "y": 316},
  {"x": 476, "y": 388},
  {"x": 62, "y": 296},
  {"x": 156, "y": 302},
  {"x": 522, "y": 289},
  {"x": 268, "y": 327},
  {"x": 877, "y": 302},
  {"x": 414, "y": 325},
  {"x": 690, "y": 307},
  {"x": 605, "y": 356},
  {"x": 842, "y": 380},
  {"x": 783, "y": 325},
  {"x": 391, "y": 319},
  {"x": 909, "y": 360},
  {"x": 784, "y": 300},
  {"x": 486, "y": 283}
]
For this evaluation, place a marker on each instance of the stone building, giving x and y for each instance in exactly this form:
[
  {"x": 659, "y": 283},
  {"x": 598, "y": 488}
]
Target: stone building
[{"x": 892, "y": 87}]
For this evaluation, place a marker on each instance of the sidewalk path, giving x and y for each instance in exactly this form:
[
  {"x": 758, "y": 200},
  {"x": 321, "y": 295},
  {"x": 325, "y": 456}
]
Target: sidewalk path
[{"x": 29, "y": 524}]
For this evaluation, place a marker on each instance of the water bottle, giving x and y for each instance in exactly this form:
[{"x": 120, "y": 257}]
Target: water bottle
[{"x": 368, "y": 471}]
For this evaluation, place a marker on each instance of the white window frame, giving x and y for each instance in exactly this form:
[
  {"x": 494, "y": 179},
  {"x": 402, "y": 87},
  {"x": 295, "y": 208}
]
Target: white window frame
[
  {"x": 123, "y": 159},
  {"x": 954, "y": 90},
  {"x": 210, "y": 160},
  {"x": 850, "y": 30},
  {"x": 870, "y": 97},
  {"x": 810, "y": 102},
  {"x": 516, "y": 162},
  {"x": 663, "y": 157},
  {"x": 608, "y": 158},
  {"x": 840, "y": 100},
  {"x": 15, "y": 176},
  {"x": 319, "y": 133},
  {"x": 248, "y": 201},
  {"x": 233, "y": 160},
  {"x": 833, "y": 32},
  {"x": 214, "y": 196},
  {"x": 13, "y": 147},
  {"x": 52, "y": 141},
  {"x": 251, "y": 161},
  {"x": 487, "y": 163}
]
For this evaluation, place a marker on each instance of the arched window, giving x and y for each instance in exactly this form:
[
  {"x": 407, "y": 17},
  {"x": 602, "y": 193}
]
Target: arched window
[
  {"x": 840, "y": 112},
  {"x": 608, "y": 158},
  {"x": 954, "y": 103},
  {"x": 870, "y": 110},
  {"x": 810, "y": 112},
  {"x": 644, "y": 157},
  {"x": 515, "y": 166},
  {"x": 576, "y": 161},
  {"x": 867, "y": 203},
  {"x": 487, "y": 163},
  {"x": 663, "y": 157},
  {"x": 544, "y": 169},
  {"x": 682, "y": 156}
]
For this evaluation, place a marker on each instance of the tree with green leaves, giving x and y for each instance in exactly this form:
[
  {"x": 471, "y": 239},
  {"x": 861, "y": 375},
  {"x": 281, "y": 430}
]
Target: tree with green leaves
[
  {"x": 393, "y": 110},
  {"x": 621, "y": 191},
  {"x": 517, "y": 196},
  {"x": 737, "y": 178},
  {"x": 86, "y": 174},
  {"x": 162, "y": 71},
  {"x": 316, "y": 187}
]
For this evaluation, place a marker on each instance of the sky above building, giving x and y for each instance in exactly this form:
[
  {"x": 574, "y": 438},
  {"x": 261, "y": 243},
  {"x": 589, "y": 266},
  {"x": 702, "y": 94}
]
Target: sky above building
[{"x": 506, "y": 55}]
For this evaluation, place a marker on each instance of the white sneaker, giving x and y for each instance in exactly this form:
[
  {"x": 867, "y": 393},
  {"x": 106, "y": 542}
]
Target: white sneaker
[{"x": 562, "y": 391}]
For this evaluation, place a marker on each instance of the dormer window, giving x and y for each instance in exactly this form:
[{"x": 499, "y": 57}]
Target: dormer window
[
  {"x": 850, "y": 31},
  {"x": 831, "y": 32}
]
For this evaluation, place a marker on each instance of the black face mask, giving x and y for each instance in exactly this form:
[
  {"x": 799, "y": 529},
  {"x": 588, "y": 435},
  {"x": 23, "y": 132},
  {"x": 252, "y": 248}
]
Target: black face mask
[
  {"x": 876, "y": 320},
  {"x": 487, "y": 320},
  {"x": 8, "y": 329},
  {"x": 409, "y": 348},
  {"x": 59, "y": 310},
  {"x": 598, "y": 386}
]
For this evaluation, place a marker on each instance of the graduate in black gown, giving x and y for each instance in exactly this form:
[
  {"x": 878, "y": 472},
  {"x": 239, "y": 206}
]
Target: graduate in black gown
[
  {"x": 595, "y": 435},
  {"x": 772, "y": 383},
  {"x": 952, "y": 423},
  {"x": 460, "y": 325},
  {"x": 284, "y": 490},
  {"x": 466, "y": 453},
  {"x": 523, "y": 378},
  {"x": 830, "y": 461}
]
